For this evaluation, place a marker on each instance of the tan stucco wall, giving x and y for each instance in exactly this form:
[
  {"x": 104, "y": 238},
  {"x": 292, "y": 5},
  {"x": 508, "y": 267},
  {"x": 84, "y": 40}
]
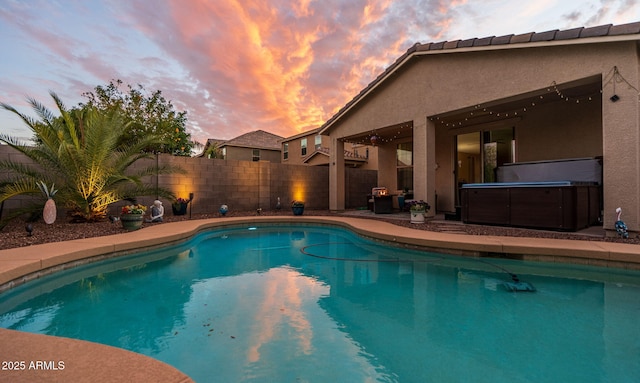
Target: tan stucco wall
[
  {"x": 562, "y": 130},
  {"x": 444, "y": 82},
  {"x": 295, "y": 156},
  {"x": 246, "y": 154}
]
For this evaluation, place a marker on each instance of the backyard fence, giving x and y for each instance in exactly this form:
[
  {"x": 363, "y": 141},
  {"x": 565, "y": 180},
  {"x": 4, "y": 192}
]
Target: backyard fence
[{"x": 242, "y": 185}]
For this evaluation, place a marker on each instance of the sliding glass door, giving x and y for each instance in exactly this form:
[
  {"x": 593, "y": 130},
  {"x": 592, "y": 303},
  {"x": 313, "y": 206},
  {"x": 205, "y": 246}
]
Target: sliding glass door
[{"x": 479, "y": 154}]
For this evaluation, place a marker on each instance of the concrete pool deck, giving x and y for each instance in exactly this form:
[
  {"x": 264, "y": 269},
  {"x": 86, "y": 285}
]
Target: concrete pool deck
[{"x": 86, "y": 361}]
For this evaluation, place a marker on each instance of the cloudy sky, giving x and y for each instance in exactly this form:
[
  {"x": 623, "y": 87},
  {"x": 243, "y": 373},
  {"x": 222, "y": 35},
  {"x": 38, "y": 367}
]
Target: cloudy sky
[{"x": 284, "y": 66}]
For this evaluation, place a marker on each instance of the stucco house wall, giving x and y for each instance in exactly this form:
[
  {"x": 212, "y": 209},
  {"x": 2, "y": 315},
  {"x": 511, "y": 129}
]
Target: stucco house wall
[
  {"x": 545, "y": 134},
  {"x": 246, "y": 154}
]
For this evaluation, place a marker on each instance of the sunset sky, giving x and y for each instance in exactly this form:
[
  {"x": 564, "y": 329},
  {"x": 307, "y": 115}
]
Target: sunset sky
[{"x": 284, "y": 66}]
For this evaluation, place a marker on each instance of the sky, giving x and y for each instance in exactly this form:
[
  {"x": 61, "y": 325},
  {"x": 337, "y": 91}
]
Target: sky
[{"x": 235, "y": 66}]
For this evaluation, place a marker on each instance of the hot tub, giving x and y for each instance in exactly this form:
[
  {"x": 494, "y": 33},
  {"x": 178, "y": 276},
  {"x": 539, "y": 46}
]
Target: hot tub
[{"x": 557, "y": 205}]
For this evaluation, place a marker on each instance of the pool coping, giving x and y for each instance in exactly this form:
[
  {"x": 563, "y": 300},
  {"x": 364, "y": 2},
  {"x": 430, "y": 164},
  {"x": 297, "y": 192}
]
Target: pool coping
[{"x": 109, "y": 364}]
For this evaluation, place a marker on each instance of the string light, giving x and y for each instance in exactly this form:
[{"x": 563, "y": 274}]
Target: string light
[
  {"x": 517, "y": 112},
  {"x": 612, "y": 77},
  {"x": 375, "y": 137}
]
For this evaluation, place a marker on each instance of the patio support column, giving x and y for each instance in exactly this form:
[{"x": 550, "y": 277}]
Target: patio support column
[
  {"x": 336, "y": 175},
  {"x": 621, "y": 164},
  {"x": 424, "y": 164}
]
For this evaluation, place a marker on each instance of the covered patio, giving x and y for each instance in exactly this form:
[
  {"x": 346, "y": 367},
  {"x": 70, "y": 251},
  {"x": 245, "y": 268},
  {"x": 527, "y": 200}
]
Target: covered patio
[{"x": 447, "y": 115}]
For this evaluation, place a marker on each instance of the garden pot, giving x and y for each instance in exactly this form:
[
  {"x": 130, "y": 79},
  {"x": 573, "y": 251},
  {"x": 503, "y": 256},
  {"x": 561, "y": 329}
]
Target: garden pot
[
  {"x": 131, "y": 222},
  {"x": 417, "y": 216},
  {"x": 297, "y": 210},
  {"x": 179, "y": 208}
]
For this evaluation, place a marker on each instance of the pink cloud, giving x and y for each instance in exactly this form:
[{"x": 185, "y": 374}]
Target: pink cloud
[
  {"x": 270, "y": 66},
  {"x": 234, "y": 65}
]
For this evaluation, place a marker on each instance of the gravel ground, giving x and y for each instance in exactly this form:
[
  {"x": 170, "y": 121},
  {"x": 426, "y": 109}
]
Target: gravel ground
[{"x": 14, "y": 235}]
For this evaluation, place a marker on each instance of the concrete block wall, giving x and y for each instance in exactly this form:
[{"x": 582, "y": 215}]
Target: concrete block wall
[{"x": 242, "y": 185}]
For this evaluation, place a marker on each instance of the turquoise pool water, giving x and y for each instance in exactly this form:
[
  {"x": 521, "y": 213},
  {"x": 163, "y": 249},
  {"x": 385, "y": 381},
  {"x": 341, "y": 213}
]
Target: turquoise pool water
[{"x": 247, "y": 305}]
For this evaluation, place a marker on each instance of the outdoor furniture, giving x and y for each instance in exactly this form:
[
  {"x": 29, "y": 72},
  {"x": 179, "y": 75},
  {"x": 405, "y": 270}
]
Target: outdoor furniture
[
  {"x": 382, "y": 200},
  {"x": 383, "y": 204}
]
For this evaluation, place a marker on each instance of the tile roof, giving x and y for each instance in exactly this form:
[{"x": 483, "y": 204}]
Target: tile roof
[
  {"x": 258, "y": 139},
  {"x": 215, "y": 141},
  {"x": 493, "y": 42},
  {"x": 553, "y": 35}
]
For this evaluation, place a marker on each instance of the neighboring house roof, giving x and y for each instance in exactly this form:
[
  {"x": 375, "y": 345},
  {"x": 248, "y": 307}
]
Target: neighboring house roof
[
  {"x": 303, "y": 134},
  {"x": 214, "y": 141},
  {"x": 258, "y": 139},
  {"x": 602, "y": 33}
]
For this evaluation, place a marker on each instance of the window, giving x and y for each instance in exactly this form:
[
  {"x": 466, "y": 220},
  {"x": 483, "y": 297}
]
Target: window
[
  {"x": 224, "y": 153},
  {"x": 318, "y": 143},
  {"x": 255, "y": 155},
  {"x": 285, "y": 151},
  {"x": 303, "y": 147},
  {"x": 404, "y": 165}
]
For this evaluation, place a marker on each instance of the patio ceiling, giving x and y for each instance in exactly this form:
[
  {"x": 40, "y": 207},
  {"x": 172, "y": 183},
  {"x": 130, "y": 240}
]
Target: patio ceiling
[
  {"x": 382, "y": 135},
  {"x": 515, "y": 107},
  {"x": 512, "y": 108}
]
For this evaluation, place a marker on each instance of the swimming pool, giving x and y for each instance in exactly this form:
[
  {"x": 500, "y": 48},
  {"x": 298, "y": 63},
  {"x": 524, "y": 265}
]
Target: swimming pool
[{"x": 321, "y": 304}]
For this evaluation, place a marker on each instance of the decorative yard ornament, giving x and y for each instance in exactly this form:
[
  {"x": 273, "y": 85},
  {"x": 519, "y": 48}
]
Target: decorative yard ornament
[
  {"x": 621, "y": 227},
  {"x": 374, "y": 139},
  {"x": 49, "y": 212},
  {"x": 223, "y": 210}
]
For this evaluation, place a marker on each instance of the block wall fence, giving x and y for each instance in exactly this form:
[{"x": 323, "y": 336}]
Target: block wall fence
[{"x": 242, "y": 185}]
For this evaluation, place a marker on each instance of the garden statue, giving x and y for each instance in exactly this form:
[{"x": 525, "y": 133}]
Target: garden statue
[
  {"x": 157, "y": 211},
  {"x": 223, "y": 210},
  {"x": 621, "y": 227}
]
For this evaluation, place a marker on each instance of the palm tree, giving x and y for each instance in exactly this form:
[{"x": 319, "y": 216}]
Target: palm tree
[{"x": 79, "y": 152}]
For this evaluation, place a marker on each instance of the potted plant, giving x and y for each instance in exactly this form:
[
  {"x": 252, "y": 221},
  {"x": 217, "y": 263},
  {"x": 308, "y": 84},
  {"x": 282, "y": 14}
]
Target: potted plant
[
  {"x": 297, "y": 207},
  {"x": 132, "y": 216},
  {"x": 179, "y": 206},
  {"x": 417, "y": 210}
]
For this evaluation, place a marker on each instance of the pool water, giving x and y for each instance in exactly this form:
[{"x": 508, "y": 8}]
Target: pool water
[{"x": 320, "y": 304}]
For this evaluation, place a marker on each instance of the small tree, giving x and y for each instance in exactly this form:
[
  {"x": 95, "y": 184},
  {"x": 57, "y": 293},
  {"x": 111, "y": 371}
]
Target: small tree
[
  {"x": 213, "y": 151},
  {"x": 83, "y": 154},
  {"x": 147, "y": 115}
]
